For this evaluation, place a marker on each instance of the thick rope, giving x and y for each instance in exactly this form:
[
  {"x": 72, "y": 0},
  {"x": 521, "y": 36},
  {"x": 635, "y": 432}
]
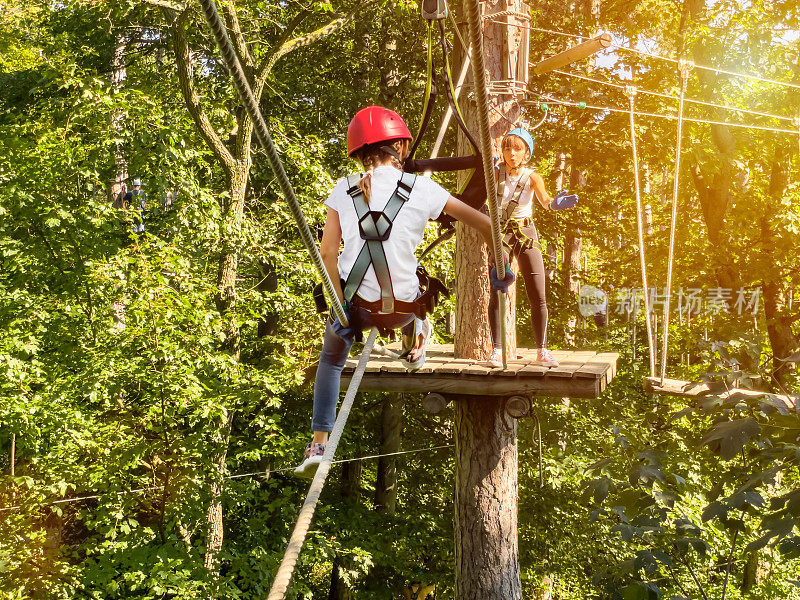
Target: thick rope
[
  {"x": 284, "y": 575},
  {"x": 631, "y": 91},
  {"x": 482, "y": 100},
  {"x": 262, "y": 133},
  {"x": 684, "y": 67}
]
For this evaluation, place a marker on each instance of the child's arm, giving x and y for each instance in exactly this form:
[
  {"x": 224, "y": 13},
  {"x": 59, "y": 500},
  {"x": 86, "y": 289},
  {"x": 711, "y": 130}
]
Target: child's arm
[
  {"x": 537, "y": 184},
  {"x": 329, "y": 249},
  {"x": 469, "y": 216}
]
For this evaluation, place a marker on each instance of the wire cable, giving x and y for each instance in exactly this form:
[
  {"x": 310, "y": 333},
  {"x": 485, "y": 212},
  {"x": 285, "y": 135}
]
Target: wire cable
[
  {"x": 671, "y": 97},
  {"x": 242, "y": 85},
  {"x": 583, "y": 105},
  {"x": 658, "y": 56},
  {"x": 712, "y": 69},
  {"x": 482, "y": 101},
  {"x": 262, "y": 473}
]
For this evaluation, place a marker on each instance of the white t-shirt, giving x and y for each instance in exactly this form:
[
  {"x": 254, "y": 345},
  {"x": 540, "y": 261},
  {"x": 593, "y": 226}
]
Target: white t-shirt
[
  {"x": 524, "y": 209},
  {"x": 426, "y": 202}
]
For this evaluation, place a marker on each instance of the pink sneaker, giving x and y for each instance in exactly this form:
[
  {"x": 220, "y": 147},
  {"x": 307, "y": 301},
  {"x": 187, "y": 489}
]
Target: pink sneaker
[
  {"x": 495, "y": 358},
  {"x": 545, "y": 359},
  {"x": 311, "y": 459}
]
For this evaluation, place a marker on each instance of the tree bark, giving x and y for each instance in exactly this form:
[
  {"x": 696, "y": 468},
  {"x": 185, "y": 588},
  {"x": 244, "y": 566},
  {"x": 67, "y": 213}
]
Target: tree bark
[
  {"x": 391, "y": 428},
  {"x": 486, "y": 546},
  {"x": 487, "y": 554},
  {"x": 119, "y": 73}
]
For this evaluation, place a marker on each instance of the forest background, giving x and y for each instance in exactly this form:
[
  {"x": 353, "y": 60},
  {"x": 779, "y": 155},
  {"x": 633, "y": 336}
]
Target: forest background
[{"x": 141, "y": 375}]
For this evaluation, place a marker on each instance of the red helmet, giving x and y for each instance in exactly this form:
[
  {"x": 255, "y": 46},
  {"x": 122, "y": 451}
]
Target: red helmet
[{"x": 375, "y": 124}]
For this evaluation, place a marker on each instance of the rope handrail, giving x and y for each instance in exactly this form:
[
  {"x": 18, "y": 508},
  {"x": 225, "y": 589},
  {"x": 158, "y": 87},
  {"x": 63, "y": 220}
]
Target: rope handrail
[
  {"x": 684, "y": 67},
  {"x": 280, "y": 584},
  {"x": 671, "y": 97},
  {"x": 242, "y": 85},
  {"x": 482, "y": 101},
  {"x": 631, "y": 91}
]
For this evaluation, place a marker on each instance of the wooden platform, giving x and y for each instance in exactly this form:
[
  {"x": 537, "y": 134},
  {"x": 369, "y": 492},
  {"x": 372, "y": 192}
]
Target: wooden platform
[
  {"x": 693, "y": 389},
  {"x": 583, "y": 374}
]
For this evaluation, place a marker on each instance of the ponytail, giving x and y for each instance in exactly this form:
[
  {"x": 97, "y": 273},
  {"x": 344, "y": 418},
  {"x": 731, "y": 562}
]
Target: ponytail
[{"x": 375, "y": 155}]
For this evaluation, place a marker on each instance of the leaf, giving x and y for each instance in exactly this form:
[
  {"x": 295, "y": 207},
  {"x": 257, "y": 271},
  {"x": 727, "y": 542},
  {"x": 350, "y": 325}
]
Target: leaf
[
  {"x": 686, "y": 526},
  {"x": 790, "y": 547},
  {"x": 727, "y": 438},
  {"x": 759, "y": 543},
  {"x": 646, "y": 474},
  {"x": 600, "y": 488}
]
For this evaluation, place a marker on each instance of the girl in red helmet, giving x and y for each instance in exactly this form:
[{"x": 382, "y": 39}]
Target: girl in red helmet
[
  {"x": 358, "y": 208},
  {"x": 516, "y": 189}
]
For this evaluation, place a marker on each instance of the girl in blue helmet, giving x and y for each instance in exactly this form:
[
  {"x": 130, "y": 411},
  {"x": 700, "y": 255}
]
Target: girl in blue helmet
[{"x": 517, "y": 186}]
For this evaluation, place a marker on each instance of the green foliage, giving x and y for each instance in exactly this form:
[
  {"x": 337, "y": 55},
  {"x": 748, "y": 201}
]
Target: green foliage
[{"x": 116, "y": 384}]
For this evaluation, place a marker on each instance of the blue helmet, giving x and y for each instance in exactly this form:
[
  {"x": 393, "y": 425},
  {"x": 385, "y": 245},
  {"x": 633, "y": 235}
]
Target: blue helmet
[{"x": 524, "y": 135}]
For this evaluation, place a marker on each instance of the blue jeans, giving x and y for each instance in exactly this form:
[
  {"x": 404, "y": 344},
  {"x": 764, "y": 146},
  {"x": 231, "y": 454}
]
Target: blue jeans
[{"x": 333, "y": 357}]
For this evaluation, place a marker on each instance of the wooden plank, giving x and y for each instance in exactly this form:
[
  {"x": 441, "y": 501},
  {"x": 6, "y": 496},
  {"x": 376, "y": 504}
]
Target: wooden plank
[
  {"x": 455, "y": 366},
  {"x": 568, "y": 366},
  {"x": 479, "y": 368},
  {"x": 533, "y": 370},
  {"x": 514, "y": 367},
  {"x": 604, "y": 365},
  {"x": 480, "y": 385}
]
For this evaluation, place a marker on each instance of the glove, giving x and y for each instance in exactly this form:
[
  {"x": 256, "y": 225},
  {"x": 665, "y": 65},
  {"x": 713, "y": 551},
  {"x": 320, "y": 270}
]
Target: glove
[
  {"x": 564, "y": 200},
  {"x": 501, "y": 286},
  {"x": 339, "y": 329}
]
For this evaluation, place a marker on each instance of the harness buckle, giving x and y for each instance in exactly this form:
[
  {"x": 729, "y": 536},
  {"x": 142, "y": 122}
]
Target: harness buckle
[{"x": 375, "y": 226}]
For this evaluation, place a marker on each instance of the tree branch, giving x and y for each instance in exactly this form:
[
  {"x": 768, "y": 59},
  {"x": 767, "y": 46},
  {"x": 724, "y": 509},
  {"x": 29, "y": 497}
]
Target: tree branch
[
  {"x": 177, "y": 7},
  {"x": 239, "y": 43},
  {"x": 307, "y": 40},
  {"x": 183, "y": 61}
]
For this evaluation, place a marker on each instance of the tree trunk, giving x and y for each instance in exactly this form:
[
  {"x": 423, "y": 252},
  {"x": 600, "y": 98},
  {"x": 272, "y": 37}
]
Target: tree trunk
[
  {"x": 486, "y": 546},
  {"x": 571, "y": 276},
  {"x": 391, "y": 428},
  {"x": 119, "y": 73},
  {"x": 487, "y": 554}
]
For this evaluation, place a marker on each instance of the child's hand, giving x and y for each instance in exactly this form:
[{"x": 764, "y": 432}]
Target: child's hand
[
  {"x": 564, "y": 200},
  {"x": 502, "y": 285},
  {"x": 339, "y": 329}
]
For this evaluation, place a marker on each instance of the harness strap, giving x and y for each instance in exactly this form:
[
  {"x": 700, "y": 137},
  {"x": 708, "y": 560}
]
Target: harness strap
[
  {"x": 508, "y": 209},
  {"x": 375, "y": 228}
]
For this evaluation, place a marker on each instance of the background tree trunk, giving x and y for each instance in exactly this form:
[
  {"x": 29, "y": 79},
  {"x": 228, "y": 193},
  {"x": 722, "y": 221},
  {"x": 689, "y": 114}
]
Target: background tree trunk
[
  {"x": 119, "y": 72},
  {"x": 391, "y": 428}
]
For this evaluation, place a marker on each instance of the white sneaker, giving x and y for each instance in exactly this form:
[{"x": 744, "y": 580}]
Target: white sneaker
[
  {"x": 416, "y": 358},
  {"x": 545, "y": 359},
  {"x": 311, "y": 460},
  {"x": 495, "y": 358}
]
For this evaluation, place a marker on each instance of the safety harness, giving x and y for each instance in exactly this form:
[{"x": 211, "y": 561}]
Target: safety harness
[
  {"x": 515, "y": 236},
  {"x": 513, "y": 202},
  {"x": 375, "y": 227}
]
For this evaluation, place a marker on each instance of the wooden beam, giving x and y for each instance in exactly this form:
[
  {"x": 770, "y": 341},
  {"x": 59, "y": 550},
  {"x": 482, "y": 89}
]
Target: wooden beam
[
  {"x": 574, "y": 54},
  {"x": 693, "y": 389},
  {"x": 479, "y": 385}
]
